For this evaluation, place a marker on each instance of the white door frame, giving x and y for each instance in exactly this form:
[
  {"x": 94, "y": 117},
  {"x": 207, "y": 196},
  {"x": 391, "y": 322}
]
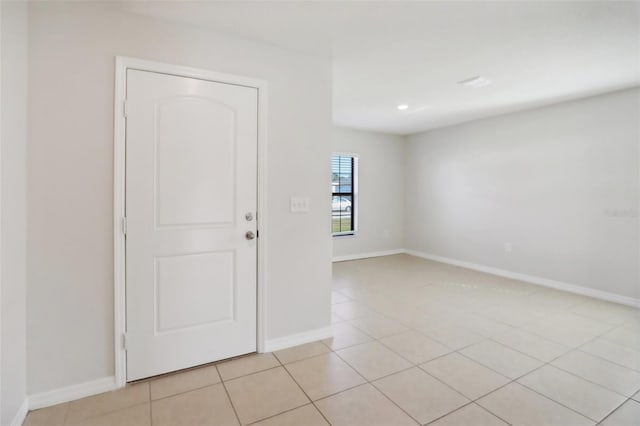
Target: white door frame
[{"x": 119, "y": 182}]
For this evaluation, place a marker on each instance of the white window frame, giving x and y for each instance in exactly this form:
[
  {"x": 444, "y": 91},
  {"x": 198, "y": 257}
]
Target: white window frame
[{"x": 355, "y": 201}]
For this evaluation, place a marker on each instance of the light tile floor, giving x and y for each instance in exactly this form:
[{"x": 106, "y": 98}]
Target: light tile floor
[{"x": 414, "y": 342}]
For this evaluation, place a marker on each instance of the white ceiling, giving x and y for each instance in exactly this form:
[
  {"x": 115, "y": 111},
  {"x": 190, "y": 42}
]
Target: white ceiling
[{"x": 391, "y": 52}]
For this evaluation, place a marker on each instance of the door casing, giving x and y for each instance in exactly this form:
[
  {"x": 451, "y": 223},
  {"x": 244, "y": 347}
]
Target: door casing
[{"x": 119, "y": 186}]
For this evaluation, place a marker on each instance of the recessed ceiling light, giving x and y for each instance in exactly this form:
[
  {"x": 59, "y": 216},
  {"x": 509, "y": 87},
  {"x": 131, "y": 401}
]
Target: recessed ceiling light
[
  {"x": 475, "y": 82},
  {"x": 402, "y": 107}
]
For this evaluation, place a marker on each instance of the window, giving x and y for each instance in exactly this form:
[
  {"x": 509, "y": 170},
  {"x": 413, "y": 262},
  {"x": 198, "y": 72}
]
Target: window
[{"x": 344, "y": 172}]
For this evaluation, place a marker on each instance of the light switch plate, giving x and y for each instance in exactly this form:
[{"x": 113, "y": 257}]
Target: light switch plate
[{"x": 300, "y": 204}]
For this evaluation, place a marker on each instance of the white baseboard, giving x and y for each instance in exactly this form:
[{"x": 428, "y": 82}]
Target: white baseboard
[
  {"x": 18, "y": 419},
  {"x": 367, "y": 255},
  {"x": 272, "y": 345},
  {"x": 558, "y": 285},
  {"x": 70, "y": 393}
]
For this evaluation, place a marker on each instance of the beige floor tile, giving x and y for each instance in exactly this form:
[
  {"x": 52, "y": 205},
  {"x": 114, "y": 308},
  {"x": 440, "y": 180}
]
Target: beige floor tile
[
  {"x": 607, "y": 374},
  {"x": 560, "y": 334},
  {"x": 297, "y": 353},
  {"x": 502, "y": 359},
  {"x": 408, "y": 315},
  {"x": 138, "y": 415},
  {"x": 351, "y": 310},
  {"x": 363, "y": 406},
  {"x": 556, "y": 299},
  {"x": 307, "y": 415},
  {"x": 49, "y": 416},
  {"x": 373, "y": 360},
  {"x": 206, "y": 406},
  {"x": 324, "y": 375},
  {"x": 246, "y": 365},
  {"x": 452, "y": 336},
  {"x": 337, "y": 297},
  {"x": 512, "y": 315},
  {"x": 482, "y": 326},
  {"x": 420, "y": 395},
  {"x": 608, "y": 312},
  {"x": 354, "y": 292},
  {"x": 580, "y": 322},
  {"x": 568, "y": 329},
  {"x": 184, "y": 381},
  {"x": 345, "y": 335},
  {"x": 626, "y": 335},
  {"x": 378, "y": 326},
  {"x": 588, "y": 399},
  {"x": 627, "y": 415},
  {"x": 613, "y": 352},
  {"x": 532, "y": 345},
  {"x": 464, "y": 375},
  {"x": 109, "y": 401},
  {"x": 446, "y": 308},
  {"x": 469, "y": 415},
  {"x": 415, "y": 347},
  {"x": 518, "y": 405},
  {"x": 264, "y": 394}
]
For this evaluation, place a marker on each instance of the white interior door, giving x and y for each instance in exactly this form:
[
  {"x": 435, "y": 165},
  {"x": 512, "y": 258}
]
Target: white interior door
[{"x": 191, "y": 197}]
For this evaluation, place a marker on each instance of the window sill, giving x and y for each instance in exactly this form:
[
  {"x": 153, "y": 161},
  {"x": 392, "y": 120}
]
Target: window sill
[{"x": 346, "y": 235}]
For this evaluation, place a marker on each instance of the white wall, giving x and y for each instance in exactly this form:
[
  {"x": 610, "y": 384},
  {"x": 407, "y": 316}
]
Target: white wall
[
  {"x": 13, "y": 168},
  {"x": 560, "y": 183},
  {"x": 72, "y": 50},
  {"x": 381, "y": 200}
]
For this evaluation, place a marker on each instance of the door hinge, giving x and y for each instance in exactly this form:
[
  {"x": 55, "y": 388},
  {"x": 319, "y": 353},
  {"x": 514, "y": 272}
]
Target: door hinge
[
  {"x": 124, "y": 225},
  {"x": 125, "y": 109},
  {"x": 125, "y": 341}
]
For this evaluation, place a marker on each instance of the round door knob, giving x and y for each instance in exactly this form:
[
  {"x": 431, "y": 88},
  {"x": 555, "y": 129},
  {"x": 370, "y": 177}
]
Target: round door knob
[{"x": 249, "y": 235}]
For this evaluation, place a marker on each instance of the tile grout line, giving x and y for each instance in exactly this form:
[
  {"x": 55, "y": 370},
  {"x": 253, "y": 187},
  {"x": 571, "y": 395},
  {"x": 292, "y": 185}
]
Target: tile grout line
[
  {"x": 586, "y": 379},
  {"x": 305, "y": 393},
  {"x": 367, "y": 381},
  {"x": 549, "y": 363},
  {"x": 226, "y": 391},
  {"x": 371, "y": 382},
  {"x": 511, "y": 380},
  {"x": 608, "y": 360},
  {"x": 66, "y": 413},
  {"x": 466, "y": 405},
  {"x": 279, "y": 414},
  {"x": 212, "y": 384},
  {"x": 613, "y": 411},
  {"x": 544, "y": 363},
  {"x": 473, "y": 360},
  {"x": 106, "y": 413},
  {"x": 567, "y": 309},
  {"x": 516, "y": 380},
  {"x": 250, "y": 374},
  {"x": 281, "y": 365},
  {"x": 151, "y": 407}
]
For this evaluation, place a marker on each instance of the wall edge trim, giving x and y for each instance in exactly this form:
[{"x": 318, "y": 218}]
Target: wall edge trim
[
  {"x": 272, "y": 345},
  {"x": 21, "y": 414},
  {"x": 73, "y": 392}
]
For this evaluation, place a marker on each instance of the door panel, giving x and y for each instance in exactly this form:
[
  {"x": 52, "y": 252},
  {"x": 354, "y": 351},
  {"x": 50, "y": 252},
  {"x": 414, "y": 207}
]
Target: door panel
[
  {"x": 188, "y": 278},
  {"x": 191, "y": 176},
  {"x": 188, "y": 188}
]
